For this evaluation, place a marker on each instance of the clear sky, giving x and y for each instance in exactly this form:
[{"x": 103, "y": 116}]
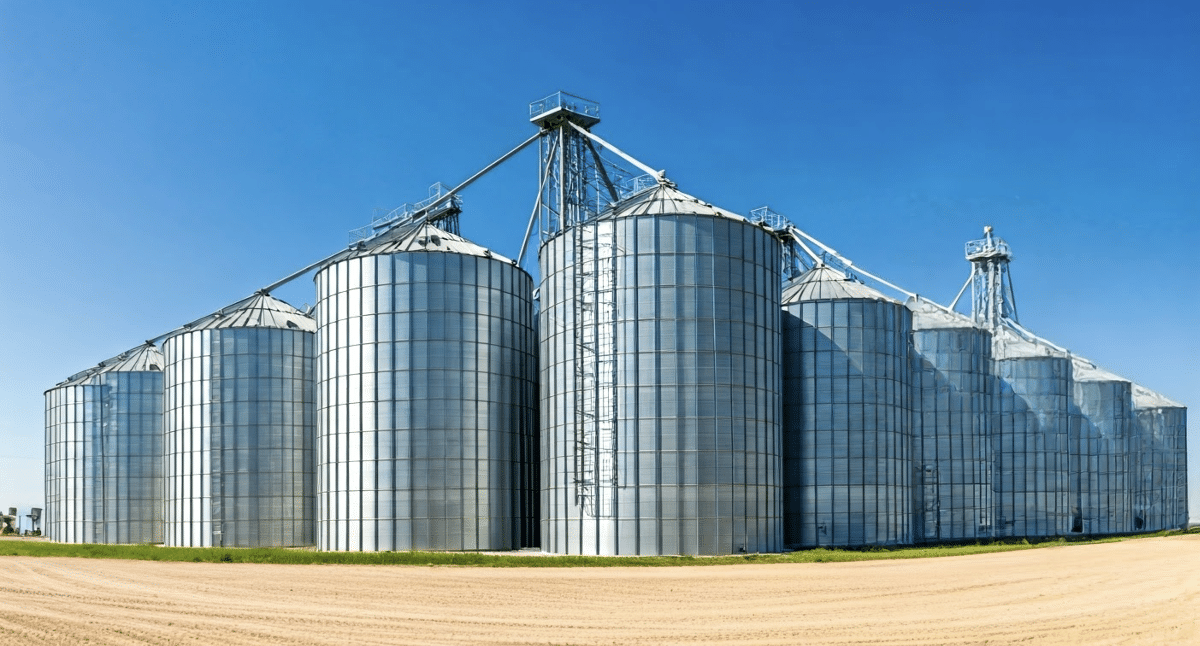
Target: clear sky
[{"x": 159, "y": 160}]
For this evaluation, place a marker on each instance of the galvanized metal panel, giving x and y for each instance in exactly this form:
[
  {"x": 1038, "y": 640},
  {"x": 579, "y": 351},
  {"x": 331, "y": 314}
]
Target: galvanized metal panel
[
  {"x": 239, "y": 432},
  {"x": 1160, "y": 473},
  {"x": 104, "y": 453},
  {"x": 847, "y": 415},
  {"x": 426, "y": 398},
  {"x": 952, "y": 432},
  {"x": 1030, "y": 445},
  {"x": 660, "y": 382},
  {"x": 1101, "y": 481}
]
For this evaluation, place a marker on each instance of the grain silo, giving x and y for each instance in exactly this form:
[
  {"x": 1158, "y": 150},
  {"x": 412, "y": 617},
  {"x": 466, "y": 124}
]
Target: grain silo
[
  {"x": 1160, "y": 454},
  {"x": 952, "y": 448},
  {"x": 239, "y": 427},
  {"x": 660, "y": 362},
  {"x": 1030, "y": 435},
  {"x": 104, "y": 472},
  {"x": 426, "y": 394},
  {"x": 1100, "y": 451},
  {"x": 847, "y": 413}
]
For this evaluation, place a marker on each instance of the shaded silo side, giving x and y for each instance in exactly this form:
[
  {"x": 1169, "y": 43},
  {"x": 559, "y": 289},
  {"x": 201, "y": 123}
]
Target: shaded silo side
[
  {"x": 1030, "y": 437},
  {"x": 952, "y": 451},
  {"x": 660, "y": 382},
  {"x": 1099, "y": 446},
  {"x": 104, "y": 471},
  {"x": 239, "y": 428},
  {"x": 847, "y": 413},
  {"x": 426, "y": 395},
  {"x": 1160, "y": 453}
]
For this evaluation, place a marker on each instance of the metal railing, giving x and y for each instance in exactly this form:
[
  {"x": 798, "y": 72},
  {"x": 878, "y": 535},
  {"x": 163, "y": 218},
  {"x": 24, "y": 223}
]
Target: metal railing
[
  {"x": 988, "y": 246},
  {"x": 436, "y": 191},
  {"x": 576, "y": 104},
  {"x": 773, "y": 220}
]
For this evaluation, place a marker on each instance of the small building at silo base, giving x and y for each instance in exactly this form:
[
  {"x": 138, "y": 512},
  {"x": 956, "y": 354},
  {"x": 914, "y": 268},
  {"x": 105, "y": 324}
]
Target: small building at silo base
[
  {"x": 104, "y": 471},
  {"x": 239, "y": 428},
  {"x": 952, "y": 417},
  {"x": 660, "y": 381},
  {"x": 847, "y": 413},
  {"x": 427, "y": 396}
]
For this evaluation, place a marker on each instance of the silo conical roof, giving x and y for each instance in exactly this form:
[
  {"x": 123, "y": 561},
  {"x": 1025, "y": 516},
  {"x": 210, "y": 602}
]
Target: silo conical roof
[
  {"x": 665, "y": 199},
  {"x": 1084, "y": 370},
  {"x": 823, "y": 283},
  {"x": 1008, "y": 344},
  {"x": 1145, "y": 398},
  {"x": 422, "y": 236},
  {"x": 144, "y": 358},
  {"x": 928, "y": 316},
  {"x": 260, "y": 310}
]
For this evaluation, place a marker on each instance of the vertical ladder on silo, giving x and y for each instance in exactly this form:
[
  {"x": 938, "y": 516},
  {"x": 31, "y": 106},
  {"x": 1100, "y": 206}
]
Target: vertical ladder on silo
[
  {"x": 595, "y": 369},
  {"x": 585, "y": 368},
  {"x": 606, "y": 368}
]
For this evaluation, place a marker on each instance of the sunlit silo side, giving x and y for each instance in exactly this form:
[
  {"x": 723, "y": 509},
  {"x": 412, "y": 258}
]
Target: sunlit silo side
[
  {"x": 1030, "y": 436},
  {"x": 660, "y": 380},
  {"x": 426, "y": 395},
  {"x": 847, "y": 412},
  {"x": 1160, "y": 452},
  {"x": 104, "y": 472},
  {"x": 952, "y": 452},
  {"x": 1099, "y": 451},
  {"x": 239, "y": 441}
]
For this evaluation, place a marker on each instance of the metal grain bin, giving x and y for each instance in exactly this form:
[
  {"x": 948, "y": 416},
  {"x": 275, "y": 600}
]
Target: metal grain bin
[
  {"x": 240, "y": 452},
  {"x": 1030, "y": 436},
  {"x": 426, "y": 395},
  {"x": 660, "y": 378},
  {"x": 1100, "y": 443},
  {"x": 1160, "y": 452},
  {"x": 952, "y": 450},
  {"x": 847, "y": 413},
  {"x": 104, "y": 472}
]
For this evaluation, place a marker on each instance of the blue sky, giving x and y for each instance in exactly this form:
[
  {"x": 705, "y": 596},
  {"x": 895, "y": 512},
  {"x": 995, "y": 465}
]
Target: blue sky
[{"x": 161, "y": 160}]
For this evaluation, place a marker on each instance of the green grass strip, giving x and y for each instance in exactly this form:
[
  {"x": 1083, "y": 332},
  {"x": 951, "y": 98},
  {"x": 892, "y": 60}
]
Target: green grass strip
[{"x": 473, "y": 559}]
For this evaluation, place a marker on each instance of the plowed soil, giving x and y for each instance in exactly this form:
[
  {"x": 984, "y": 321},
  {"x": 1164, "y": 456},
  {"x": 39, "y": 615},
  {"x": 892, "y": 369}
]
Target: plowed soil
[{"x": 1136, "y": 592}]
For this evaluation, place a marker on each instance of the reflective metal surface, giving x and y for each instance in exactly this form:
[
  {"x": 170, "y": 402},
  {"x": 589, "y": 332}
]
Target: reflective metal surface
[
  {"x": 1100, "y": 457},
  {"x": 1030, "y": 446},
  {"x": 427, "y": 393},
  {"x": 952, "y": 432},
  {"x": 239, "y": 443},
  {"x": 847, "y": 414},
  {"x": 104, "y": 456},
  {"x": 1160, "y": 492},
  {"x": 660, "y": 383}
]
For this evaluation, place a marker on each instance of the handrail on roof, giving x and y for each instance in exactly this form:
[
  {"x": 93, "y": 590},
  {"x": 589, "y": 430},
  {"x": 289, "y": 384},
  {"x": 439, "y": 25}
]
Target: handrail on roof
[{"x": 560, "y": 99}]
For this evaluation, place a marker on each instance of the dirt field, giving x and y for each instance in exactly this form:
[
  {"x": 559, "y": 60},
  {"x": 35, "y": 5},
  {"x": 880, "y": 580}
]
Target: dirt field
[{"x": 1135, "y": 592}]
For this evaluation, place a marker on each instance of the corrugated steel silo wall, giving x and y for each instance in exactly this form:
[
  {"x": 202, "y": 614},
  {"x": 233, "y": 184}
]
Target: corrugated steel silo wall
[
  {"x": 952, "y": 489},
  {"x": 1160, "y": 496},
  {"x": 684, "y": 387},
  {"x": 426, "y": 388},
  {"x": 73, "y": 420},
  {"x": 1030, "y": 446},
  {"x": 239, "y": 438},
  {"x": 848, "y": 434},
  {"x": 104, "y": 460},
  {"x": 1100, "y": 481}
]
